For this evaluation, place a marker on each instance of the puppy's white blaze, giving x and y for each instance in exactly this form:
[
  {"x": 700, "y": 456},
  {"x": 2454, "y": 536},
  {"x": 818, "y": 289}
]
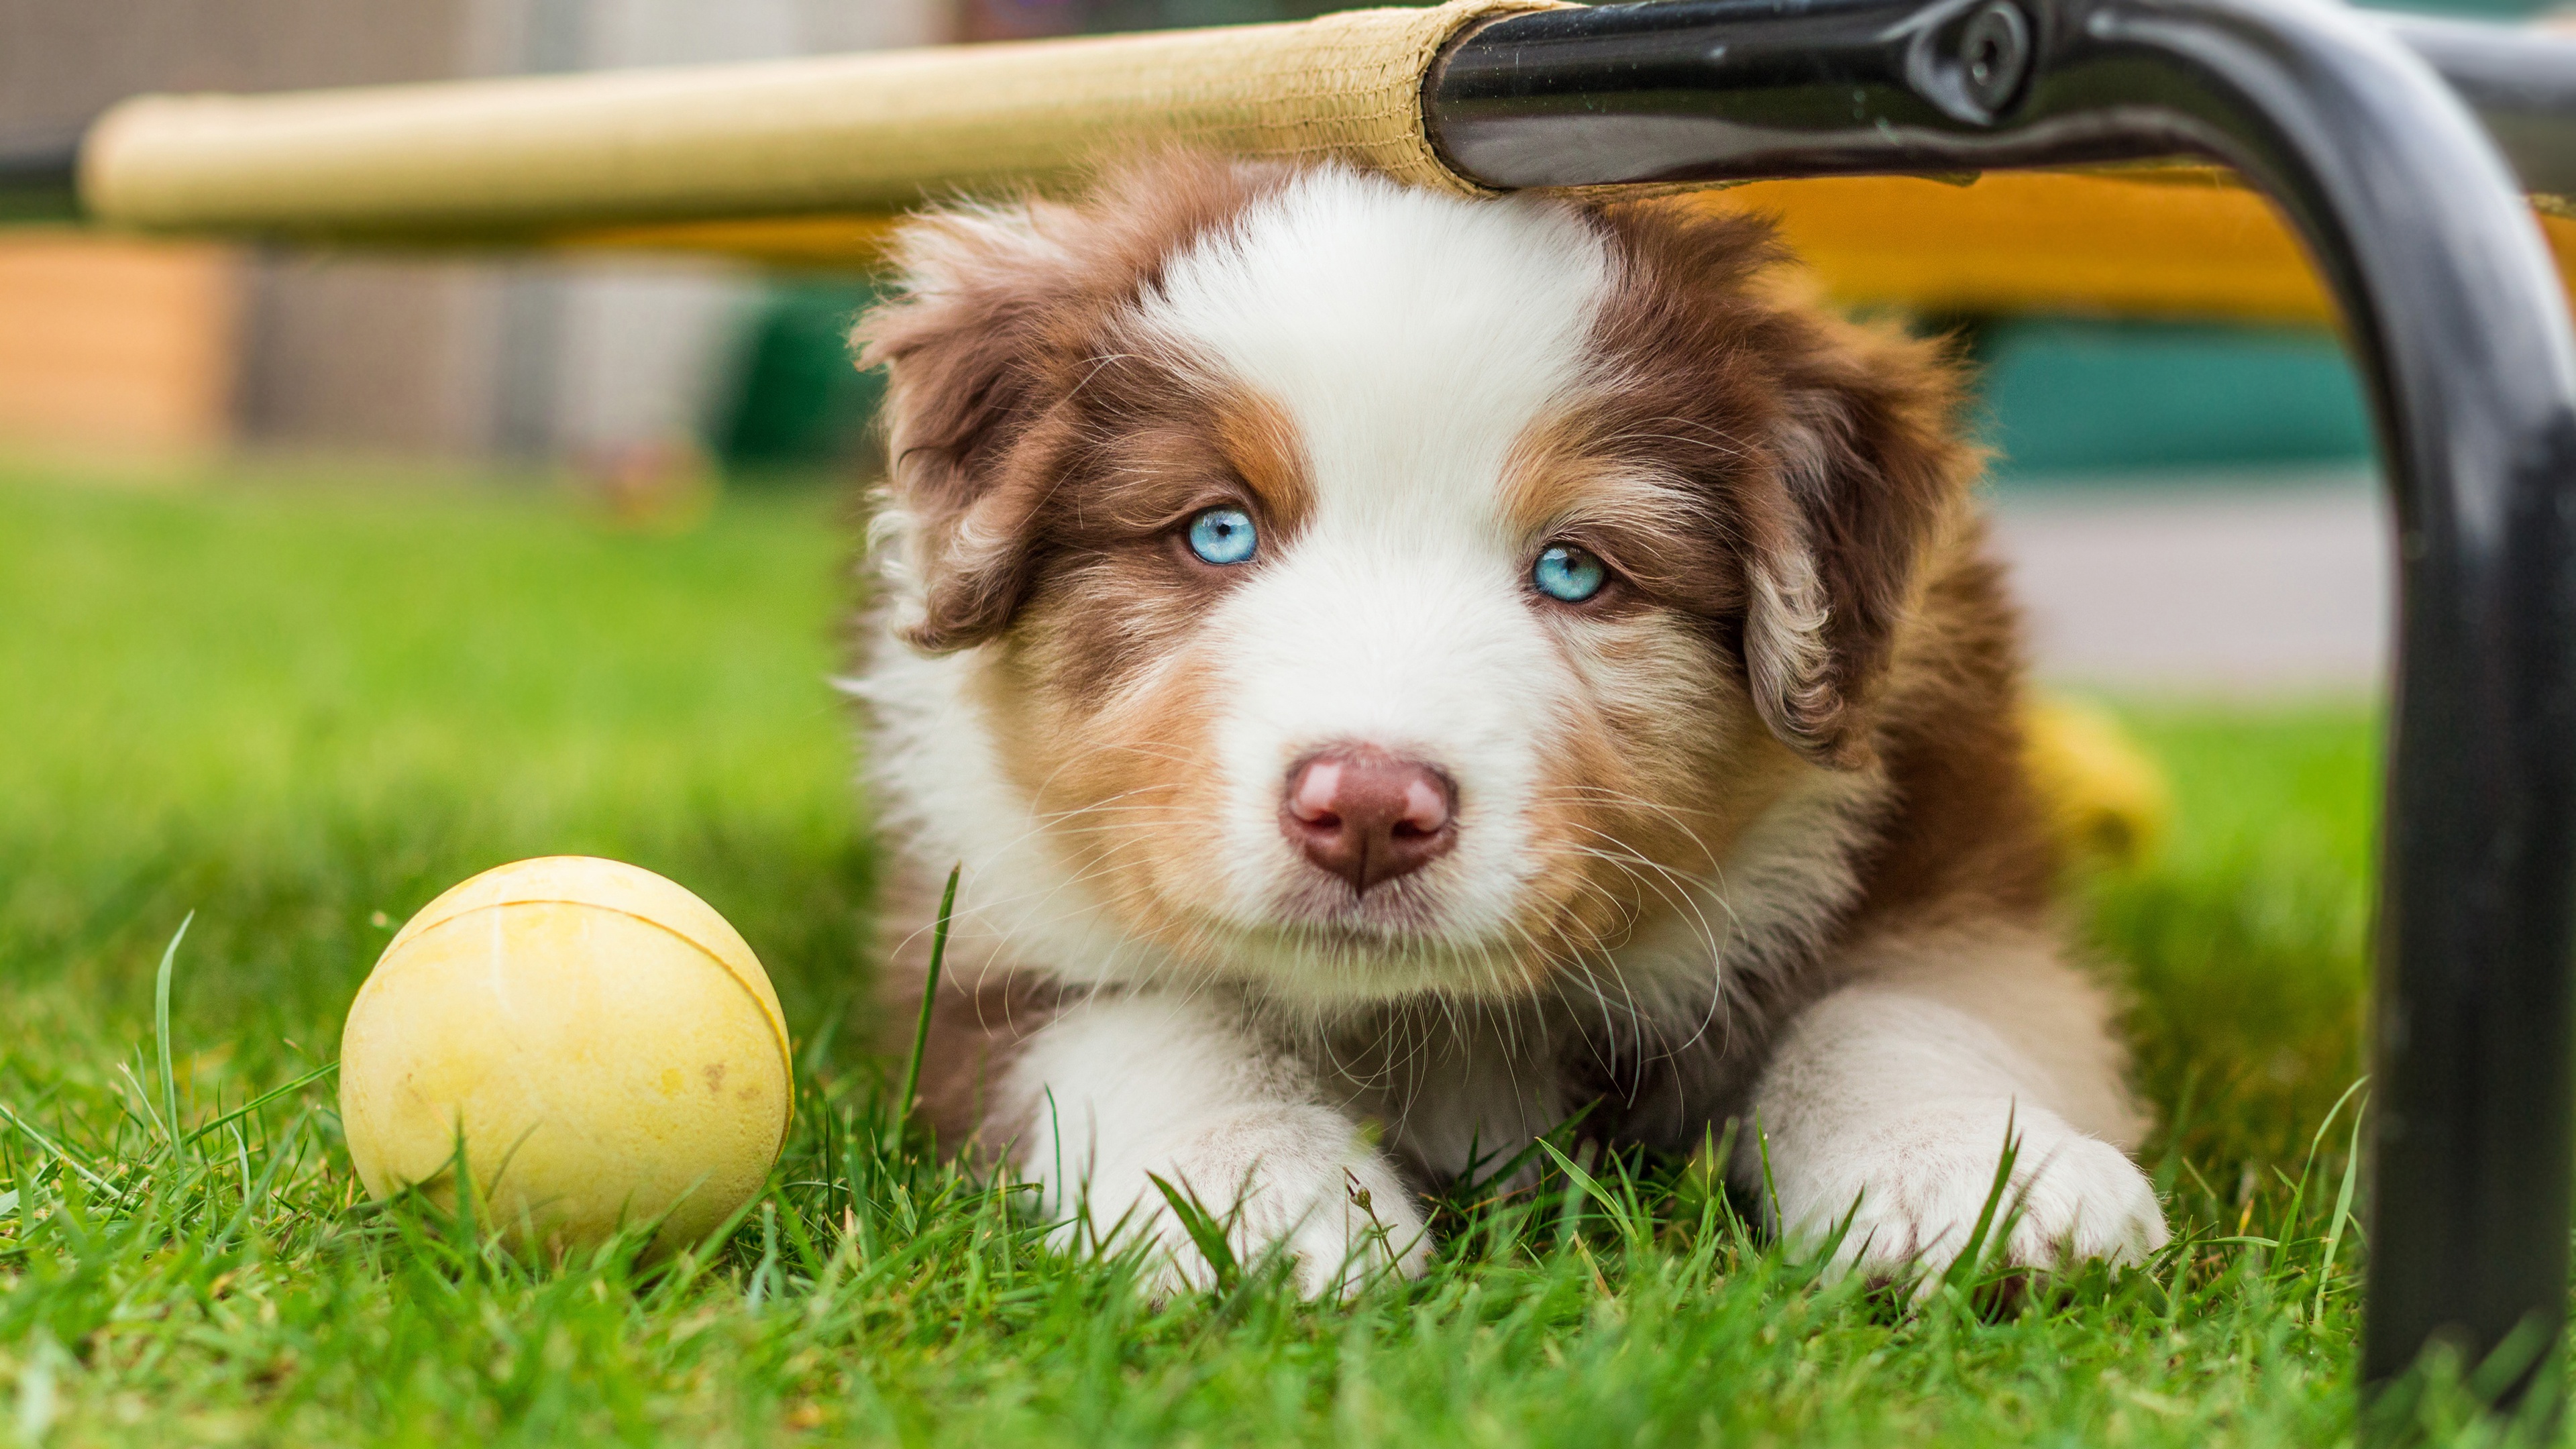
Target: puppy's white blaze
[
  {"x": 1411, "y": 340},
  {"x": 1427, "y": 653},
  {"x": 1410, "y": 336}
]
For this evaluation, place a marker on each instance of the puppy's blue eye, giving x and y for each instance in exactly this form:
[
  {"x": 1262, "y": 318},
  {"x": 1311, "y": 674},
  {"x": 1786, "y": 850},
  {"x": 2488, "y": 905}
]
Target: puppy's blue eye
[
  {"x": 1222, "y": 535},
  {"x": 1568, "y": 574}
]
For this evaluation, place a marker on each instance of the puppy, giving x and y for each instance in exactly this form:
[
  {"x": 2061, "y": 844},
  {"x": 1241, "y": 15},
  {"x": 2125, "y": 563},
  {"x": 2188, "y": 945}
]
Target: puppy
[{"x": 1400, "y": 670}]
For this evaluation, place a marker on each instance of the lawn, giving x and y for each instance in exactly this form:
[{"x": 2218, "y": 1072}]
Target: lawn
[{"x": 299, "y": 710}]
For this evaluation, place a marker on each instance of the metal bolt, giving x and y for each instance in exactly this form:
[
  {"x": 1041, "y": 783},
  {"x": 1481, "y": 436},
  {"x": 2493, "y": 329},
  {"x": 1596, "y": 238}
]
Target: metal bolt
[{"x": 1994, "y": 53}]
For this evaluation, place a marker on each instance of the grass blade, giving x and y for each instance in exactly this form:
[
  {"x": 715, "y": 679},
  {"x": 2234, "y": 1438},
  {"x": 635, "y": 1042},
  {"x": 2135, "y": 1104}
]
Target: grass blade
[
  {"x": 161, "y": 1035},
  {"x": 2342, "y": 1207},
  {"x": 929, "y": 998},
  {"x": 1995, "y": 1218},
  {"x": 1468, "y": 1190},
  {"x": 61, "y": 1154},
  {"x": 1204, "y": 1230},
  {"x": 1583, "y": 1182},
  {"x": 262, "y": 1100}
]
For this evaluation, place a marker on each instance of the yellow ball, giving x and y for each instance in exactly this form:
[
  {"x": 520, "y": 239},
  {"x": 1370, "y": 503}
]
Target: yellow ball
[
  {"x": 607, "y": 1045},
  {"x": 2106, "y": 798}
]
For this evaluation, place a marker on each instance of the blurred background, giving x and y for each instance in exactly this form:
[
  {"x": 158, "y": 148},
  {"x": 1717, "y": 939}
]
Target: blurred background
[{"x": 2189, "y": 504}]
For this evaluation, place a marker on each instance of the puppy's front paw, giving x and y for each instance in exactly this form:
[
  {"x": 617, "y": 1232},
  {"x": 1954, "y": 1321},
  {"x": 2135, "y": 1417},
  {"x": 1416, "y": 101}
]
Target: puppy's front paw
[
  {"x": 1920, "y": 1181},
  {"x": 1298, "y": 1179}
]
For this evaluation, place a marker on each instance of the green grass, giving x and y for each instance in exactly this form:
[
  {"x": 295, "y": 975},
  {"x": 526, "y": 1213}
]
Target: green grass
[{"x": 300, "y": 712}]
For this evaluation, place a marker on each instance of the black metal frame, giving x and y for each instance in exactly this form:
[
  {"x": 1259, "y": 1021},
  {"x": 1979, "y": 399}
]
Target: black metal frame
[{"x": 2456, "y": 316}]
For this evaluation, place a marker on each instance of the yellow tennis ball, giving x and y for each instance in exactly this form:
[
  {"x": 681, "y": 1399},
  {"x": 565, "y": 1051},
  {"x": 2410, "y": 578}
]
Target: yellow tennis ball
[{"x": 606, "y": 1045}]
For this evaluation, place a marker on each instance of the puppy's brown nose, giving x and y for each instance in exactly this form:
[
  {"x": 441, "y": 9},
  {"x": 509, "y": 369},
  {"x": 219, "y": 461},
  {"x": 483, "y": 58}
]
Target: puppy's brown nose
[{"x": 1367, "y": 816}]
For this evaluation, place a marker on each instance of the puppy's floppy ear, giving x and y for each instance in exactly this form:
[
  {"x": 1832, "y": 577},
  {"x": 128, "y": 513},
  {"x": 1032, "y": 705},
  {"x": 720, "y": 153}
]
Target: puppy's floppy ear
[
  {"x": 1828, "y": 447},
  {"x": 965, "y": 346},
  {"x": 1868, "y": 469},
  {"x": 1002, "y": 313}
]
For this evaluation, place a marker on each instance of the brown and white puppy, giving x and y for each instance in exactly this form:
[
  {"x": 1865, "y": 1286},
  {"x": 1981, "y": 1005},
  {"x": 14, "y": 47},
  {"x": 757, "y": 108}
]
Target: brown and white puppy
[{"x": 1400, "y": 669}]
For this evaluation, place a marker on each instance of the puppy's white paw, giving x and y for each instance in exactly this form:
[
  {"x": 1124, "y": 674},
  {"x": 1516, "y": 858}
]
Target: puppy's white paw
[
  {"x": 1921, "y": 1180},
  {"x": 1297, "y": 1178}
]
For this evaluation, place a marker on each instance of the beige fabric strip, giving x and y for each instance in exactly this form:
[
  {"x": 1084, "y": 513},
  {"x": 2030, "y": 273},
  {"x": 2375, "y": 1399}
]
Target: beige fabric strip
[{"x": 837, "y": 133}]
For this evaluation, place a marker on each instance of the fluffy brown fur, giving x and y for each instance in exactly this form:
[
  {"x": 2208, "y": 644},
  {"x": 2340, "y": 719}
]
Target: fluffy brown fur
[{"x": 1800, "y": 590}]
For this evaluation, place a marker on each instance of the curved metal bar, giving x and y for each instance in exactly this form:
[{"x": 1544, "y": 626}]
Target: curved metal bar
[
  {"x": 2520, "y": 81},
  {"x": 2457, "y": 320}
]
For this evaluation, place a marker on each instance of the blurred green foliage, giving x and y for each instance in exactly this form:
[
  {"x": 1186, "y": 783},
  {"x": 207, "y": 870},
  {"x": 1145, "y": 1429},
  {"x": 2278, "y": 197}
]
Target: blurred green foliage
[{"x": 796, "y": 402}]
